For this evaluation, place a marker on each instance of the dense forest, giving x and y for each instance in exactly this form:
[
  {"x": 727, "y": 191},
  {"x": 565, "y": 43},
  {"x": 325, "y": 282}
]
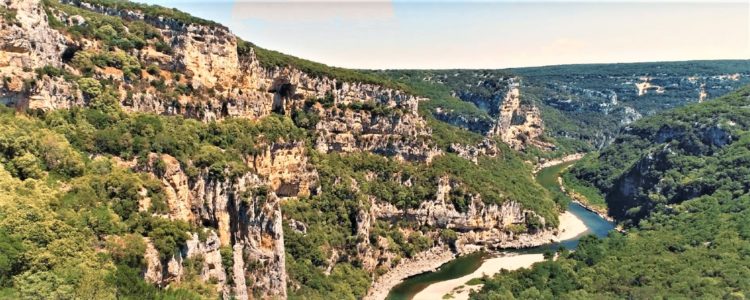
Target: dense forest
[{"x": 679, "y": 181}]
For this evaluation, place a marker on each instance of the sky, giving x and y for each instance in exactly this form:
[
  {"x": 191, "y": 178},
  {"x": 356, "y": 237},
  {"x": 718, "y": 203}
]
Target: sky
[{"x": 484, "y": 34}]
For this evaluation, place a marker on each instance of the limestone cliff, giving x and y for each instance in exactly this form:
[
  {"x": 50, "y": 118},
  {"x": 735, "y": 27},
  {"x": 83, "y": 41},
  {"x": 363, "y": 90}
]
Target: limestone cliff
[
  {"x": 236, "y": 219},
  {"x": 516, "y": 121},
  {"x": 518, "y": 124},
  {"x": 490, "y": 225},
  {"x": 203, "y": 76},
  {"x": 286, "y": 169},
  {"x": 480, "y": 225},
  {"x": 245, "y": 218},
  {"x": 26, "y": 43},
  {"x": 479, "y": 222},
  {"x": 488, "y": 147}
]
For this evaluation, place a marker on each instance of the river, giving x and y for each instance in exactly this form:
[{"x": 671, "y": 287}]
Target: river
[{"x": 467, "y": 264}]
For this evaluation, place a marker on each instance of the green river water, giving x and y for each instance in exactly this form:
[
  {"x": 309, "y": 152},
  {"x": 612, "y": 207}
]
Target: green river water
[{"x": 469, "y": 263}]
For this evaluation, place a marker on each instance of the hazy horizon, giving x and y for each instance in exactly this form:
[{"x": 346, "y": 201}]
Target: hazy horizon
[{"x": 485, "y": 34}]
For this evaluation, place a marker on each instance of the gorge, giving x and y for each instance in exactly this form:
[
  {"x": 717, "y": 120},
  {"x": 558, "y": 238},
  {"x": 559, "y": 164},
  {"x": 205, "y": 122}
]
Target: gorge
[
  {"x": 149, "y": 154},
  {"x": 451, "y": 278}
]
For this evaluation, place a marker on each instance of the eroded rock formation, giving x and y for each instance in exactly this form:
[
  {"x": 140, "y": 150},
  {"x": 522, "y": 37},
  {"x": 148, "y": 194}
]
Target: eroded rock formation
[
  {"x": 519, "y": 124},
  {"x": 247, "y": 219}
]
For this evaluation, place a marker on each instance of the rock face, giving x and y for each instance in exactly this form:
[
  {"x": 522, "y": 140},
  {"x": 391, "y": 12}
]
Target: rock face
[
  {"x": 247, "y": 220},
  {"x": 518, "y": 124},
  {"x": 286, "y": 169},
  {"x": 405, "y": 137},
  {"x": 477, "y": 223},
  {"x": 586, "y": 103},
  {"x": 222, "y": 83},
  {"x": 28, "y": 42},
  {"x": 515, "y": 121},
  {"x": 479, "y": 226},
  {"x": 487, "y": 147},
  {"x": 472, "y": 123},
  {"x": 240, "y": 214}
]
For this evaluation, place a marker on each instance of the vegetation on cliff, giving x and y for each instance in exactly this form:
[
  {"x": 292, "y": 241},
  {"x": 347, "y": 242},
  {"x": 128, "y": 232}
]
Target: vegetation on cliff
[
  {"x": 74, "y": 218},
  {"x": 680, "y": 180},
  {"x": 583, "y": 106},
  {"x": 59, "y": 209}
]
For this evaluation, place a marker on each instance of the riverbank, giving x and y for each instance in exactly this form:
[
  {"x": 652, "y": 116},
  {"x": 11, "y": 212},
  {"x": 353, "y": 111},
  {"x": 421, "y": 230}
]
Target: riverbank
[
  {"x": 557, "y": 161},
  {"x": 570, "y": 227},
  {"x": 576, "y": 198},
  {"x": 427, "y": 261},
  {"x": 459, "y": 289},
  {"x": 442, "y": 269},
  {"x": 602, "y": 214}
]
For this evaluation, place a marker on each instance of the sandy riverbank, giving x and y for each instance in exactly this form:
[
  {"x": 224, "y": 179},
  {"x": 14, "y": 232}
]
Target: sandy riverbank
[
  {"x": 570, "y": 227},
  {"x": 423, "y": 262},
  {"x": 557, "y": 161}
]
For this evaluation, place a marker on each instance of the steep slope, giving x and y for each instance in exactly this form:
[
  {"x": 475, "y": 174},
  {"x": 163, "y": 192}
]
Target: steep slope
[
  {"x": 162, "y": 157},
  {"x": 572, "y": 107},
  {"x": 681, "y": 181}
]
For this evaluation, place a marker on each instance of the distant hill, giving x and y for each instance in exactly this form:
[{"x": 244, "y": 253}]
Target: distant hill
[
  {"x": 680, "y": 182},
  {"x": 582, "y": 106}
]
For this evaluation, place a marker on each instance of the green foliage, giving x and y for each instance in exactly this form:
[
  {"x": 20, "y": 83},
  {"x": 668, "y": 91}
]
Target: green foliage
[
  {"x": 25, "y": 166},
  {"x": 448, "y": 236},
  {"x": 8, "y": 15},
  {"x": 114, "y": 32},
  {"x": 680, "y": 180},
  {"x": 90, "y": 87},
  {"x": 88, "y": 61},
  {"x": 271, "y": 59},
  {"x": 128, "y": 250},
  {"x": 154, "y": 11},
  {"x": 591, "y": 195},
  {"x": 496, "y": 180},
  {"x": 227, "y": 261},
  {"x": 582, "y": 106},
  {"x": 167, "y": 236},
  {"x": 674, "y": 157},
  {"x": 11, "y": 260},
  {"x": 55, "y": 205},
  {"x": 52, "y": 72},
  {"x": 221, "y": 147}
]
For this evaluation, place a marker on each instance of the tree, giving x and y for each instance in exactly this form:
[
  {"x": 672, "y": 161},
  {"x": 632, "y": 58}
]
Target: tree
[
  {"x": 90, "y": 87},
  {"x": 11, "y": 260},
  {"x": 26, "y": 166}
]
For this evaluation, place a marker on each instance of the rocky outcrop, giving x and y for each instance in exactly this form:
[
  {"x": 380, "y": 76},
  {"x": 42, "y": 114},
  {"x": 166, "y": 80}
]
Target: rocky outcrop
[
  {"x": 645, "y": 85},
  {"x": 487, "y": 147},
  {"x": 546, "y": 163},
  {"x": 404, "y": 137},
  {"x": 480, "y": 226},
  {"x": 472, "y": 123},
  {"x": 216, "y": 81},
  {"x": 479, "y": 222},
  {"x": 27, "y": 42},
  {"x": 519, "y": 125},
  {"x": 286, "y": 169},
  {"x": 423, "y": 262},
  {"x": 246, "y": 219},
  {"x": 208, "y": 250}
]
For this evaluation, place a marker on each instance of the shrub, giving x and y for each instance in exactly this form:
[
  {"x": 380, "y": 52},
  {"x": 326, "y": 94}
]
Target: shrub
[
  {"x": 90, "y": 87},
  {"x": 168, "y": 236},
  {"x": 26, "y": 166}
]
